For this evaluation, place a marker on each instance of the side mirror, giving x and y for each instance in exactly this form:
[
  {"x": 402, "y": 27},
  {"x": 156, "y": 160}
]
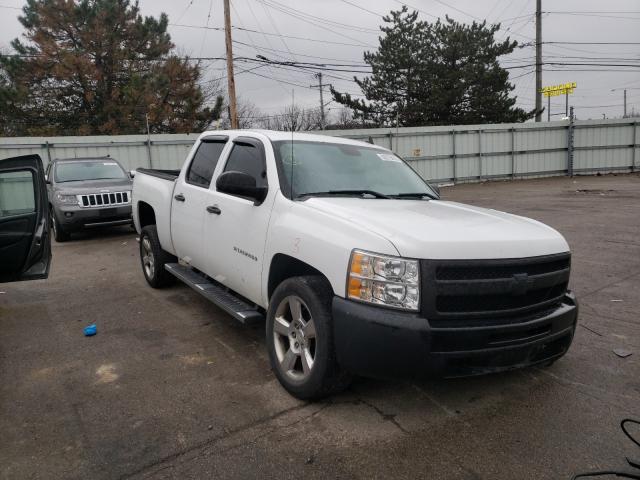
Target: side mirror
[
  {"x": 132, "y": 173},
  {"x": 241, "y": 184}
]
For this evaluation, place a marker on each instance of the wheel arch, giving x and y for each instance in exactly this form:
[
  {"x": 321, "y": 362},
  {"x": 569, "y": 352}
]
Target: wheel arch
[
  {"x": 146, "y": 214},
  {"x": 285, "y": 266}
]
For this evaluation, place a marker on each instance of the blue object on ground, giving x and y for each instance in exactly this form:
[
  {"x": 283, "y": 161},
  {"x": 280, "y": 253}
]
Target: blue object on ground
[{"x": 90, "y": 331}]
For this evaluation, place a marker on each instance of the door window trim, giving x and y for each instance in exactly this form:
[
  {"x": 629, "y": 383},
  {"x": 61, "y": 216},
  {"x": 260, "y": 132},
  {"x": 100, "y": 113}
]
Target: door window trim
[
  {"x": 254, "y": 142},
  {"x": 211, "y": 139}
]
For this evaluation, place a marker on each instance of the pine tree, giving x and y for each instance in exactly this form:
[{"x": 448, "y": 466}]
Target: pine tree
[
  {"x": 438, "y": 73},
  {"x": 98, "y": 67}
]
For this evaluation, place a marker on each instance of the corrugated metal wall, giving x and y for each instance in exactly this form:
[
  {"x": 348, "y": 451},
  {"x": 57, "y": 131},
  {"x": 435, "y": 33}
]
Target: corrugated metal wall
[
  {"x": 456, "y": 153},
  {"x": 475, "y": 152}
]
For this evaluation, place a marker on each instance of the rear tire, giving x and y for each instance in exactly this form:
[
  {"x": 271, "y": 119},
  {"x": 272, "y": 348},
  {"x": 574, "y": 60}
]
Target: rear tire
[
  {"x": 59, "y": 233},
  {"x": 153, "y": 259},
  {"x": 300, "y": 339}
]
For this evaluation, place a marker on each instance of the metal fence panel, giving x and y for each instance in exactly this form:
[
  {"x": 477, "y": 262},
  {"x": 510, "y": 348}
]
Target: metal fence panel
[{"x": 445, "y": 153}]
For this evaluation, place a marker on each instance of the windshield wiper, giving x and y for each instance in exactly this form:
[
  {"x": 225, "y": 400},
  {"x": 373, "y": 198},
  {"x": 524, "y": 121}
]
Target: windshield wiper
[
  {"x": 373, "y": 193},
  {"x": 415, "y": 195}
]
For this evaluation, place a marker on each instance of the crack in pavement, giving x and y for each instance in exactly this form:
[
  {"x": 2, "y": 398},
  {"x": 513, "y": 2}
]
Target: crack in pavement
[
  {"x": 212, "y": 441},
  {"x": 204, "y": 449},
  {"x": 387, "y": 417}
]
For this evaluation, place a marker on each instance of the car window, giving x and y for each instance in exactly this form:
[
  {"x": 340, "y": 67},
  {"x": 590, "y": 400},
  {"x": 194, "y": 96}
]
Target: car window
[
  {"x": 248, "y": 159},
  {"x": 204, "y": 163},
  {"x": 77, "y": 171},
  {"x": 17, "y": 193}
]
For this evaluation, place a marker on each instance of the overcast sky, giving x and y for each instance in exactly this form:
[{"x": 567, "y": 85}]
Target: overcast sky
[{"x": 339, "y": 31}]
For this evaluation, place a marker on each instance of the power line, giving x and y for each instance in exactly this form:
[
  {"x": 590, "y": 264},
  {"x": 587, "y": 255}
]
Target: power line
[
  {"x": 275, "y": 27},
  {"x": 591, "y": 43},
  {"x": 417, "y": 9},
  {"x": 362, "y": 8},
  {"x": 299, "y": 14},
  {"x": 272, "y": 34},
  {"x": 582, "y": 14}
]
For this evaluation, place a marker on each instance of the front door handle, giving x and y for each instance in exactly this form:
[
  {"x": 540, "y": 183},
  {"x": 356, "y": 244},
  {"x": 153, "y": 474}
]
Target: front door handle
[
  {"x": 214, "y": 209},
  {"x": 179, "y": 197}
]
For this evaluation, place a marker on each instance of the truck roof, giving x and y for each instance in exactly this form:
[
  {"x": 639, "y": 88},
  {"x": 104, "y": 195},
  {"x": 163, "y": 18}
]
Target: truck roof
[{"x": 274, "y": 135}]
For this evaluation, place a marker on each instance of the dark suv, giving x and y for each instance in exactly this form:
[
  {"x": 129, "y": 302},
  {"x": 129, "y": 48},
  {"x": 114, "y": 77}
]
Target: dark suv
[{"x": 87, "y": 192}]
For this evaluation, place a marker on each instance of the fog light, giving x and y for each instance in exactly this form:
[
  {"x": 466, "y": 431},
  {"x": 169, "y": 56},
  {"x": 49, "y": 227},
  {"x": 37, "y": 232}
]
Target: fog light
[{"x": 68, "y": 214}]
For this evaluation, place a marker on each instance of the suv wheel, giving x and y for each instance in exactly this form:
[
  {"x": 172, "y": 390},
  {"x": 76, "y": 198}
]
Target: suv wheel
[
  {"x": 300, "y": 338},
  {"x": 58, "y": 232},
  {"x": 153, "y": 259}
]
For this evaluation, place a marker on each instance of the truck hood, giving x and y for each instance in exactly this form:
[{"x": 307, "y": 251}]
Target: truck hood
[
  {"x": 438, "y": 229},
  {"x": 94, "y": 186}
]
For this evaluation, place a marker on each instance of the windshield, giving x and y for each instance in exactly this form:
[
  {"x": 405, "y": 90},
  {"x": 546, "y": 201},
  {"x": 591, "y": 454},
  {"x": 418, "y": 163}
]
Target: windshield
[
  {"x": 331, "y": 168},
  {"x": 89, "y": 170}
]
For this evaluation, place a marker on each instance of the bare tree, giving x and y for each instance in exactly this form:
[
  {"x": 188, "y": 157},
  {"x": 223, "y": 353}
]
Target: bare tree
[
  {"x": 293, "y": 117},
  {"x": 249, "y": 115},
  {"x": 343, "y": 120}
]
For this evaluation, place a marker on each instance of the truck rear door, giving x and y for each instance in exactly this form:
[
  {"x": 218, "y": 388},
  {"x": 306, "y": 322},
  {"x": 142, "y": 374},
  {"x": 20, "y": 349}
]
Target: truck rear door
[
  {"x": 189, "y": 201},
  {"x": 25, "y": 245}
]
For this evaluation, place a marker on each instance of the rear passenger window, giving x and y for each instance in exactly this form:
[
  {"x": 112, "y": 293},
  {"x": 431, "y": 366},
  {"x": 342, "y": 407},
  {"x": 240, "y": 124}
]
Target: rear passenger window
[
  {"x": 249, "y": 159},
  {"x": 204, "y": 163}
]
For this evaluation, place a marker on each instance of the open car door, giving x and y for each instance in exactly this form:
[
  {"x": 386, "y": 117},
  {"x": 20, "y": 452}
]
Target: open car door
[{"x": 25, "y": 244}]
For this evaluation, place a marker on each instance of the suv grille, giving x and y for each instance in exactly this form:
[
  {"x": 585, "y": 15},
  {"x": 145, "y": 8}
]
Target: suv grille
[
  {"x": 489, "y": 292},
  {"x": 101, "y": 199}
]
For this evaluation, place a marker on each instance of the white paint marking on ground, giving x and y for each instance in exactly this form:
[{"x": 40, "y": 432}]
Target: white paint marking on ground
[{"x": 107, "y": 373}]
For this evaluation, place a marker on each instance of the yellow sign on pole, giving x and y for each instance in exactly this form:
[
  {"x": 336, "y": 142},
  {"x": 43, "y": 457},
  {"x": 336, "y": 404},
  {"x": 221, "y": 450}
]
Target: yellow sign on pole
[{"x": 556, "y": 90}]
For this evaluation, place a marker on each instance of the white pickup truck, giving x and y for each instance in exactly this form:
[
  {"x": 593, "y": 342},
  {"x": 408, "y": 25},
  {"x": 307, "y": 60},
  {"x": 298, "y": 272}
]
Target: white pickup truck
[{"x": 353, "y": 260}]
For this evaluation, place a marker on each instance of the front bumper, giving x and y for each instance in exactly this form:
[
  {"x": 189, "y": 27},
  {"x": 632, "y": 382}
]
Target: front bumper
[
  {"x": 73, "y": 218},
  {"x": 379, "y": 342}
]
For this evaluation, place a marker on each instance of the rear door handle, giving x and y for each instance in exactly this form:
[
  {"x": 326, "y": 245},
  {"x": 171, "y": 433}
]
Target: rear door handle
[
  {"x": 179, "y": 197},
  {"x": 214, "y": 209}
]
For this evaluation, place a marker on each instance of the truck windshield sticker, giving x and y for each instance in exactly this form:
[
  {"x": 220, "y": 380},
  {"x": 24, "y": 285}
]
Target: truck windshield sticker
[{"x": 387, "y": 157}]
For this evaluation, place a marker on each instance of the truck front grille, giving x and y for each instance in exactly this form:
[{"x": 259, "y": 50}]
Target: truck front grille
[
  {"x": 102, "y": 199},
  {"x": 490, "y": 292}
]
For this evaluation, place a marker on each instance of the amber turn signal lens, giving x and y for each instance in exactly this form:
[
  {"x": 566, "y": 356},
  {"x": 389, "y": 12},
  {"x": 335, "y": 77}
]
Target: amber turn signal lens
[
  {"x": 355, "y": 286},
  {"x": 356, "y": 263}
]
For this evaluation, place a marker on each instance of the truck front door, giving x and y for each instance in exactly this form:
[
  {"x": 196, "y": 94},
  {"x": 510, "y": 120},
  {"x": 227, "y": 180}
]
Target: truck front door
[
  {"x": 189, "y": 201},
  {"x": 235, "y": 227}
]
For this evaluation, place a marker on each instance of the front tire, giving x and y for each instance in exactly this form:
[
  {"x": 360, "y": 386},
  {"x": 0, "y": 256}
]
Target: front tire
[
  {"x": 300, "y": 339},
  {"x": 59, "y": 234},
  {"x": 153, "y": 258}
]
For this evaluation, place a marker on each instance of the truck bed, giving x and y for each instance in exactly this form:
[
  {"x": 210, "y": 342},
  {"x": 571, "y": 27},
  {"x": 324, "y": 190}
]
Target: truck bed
[
  {"x": 164, "y": 174},
  {"x": 153, "y": 189}
]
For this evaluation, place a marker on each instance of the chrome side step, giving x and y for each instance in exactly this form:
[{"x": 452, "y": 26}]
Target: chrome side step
[{"x": 239, "y": 309}]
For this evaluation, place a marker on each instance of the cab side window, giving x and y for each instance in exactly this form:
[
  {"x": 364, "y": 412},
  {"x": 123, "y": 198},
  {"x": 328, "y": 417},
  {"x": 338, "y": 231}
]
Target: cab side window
[
  {"x": 248, "y": 158},
  {"x": 204, "y": 162}
]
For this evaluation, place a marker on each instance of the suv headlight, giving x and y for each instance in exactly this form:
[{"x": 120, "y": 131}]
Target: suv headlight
[
  {"x": 384, "y": 280},
  {"x": 67, "y": 199}
]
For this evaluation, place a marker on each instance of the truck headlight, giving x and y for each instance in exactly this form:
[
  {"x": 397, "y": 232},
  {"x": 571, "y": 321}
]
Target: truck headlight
[
  {"x": 384, "y": 280},
  {"x": 67, "y": 199}
]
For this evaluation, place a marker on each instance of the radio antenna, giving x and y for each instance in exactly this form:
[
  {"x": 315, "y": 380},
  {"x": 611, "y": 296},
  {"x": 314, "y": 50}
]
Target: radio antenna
[{"x": 293, "y": 102}]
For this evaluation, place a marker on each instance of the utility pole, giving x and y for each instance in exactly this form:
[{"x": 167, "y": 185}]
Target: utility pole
[
  {"x": 320, "y": 86},
  {"x": 231, "y": 82},
  {"x": 538, "y": 60},
  {"x": 625, "y": 104}
]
